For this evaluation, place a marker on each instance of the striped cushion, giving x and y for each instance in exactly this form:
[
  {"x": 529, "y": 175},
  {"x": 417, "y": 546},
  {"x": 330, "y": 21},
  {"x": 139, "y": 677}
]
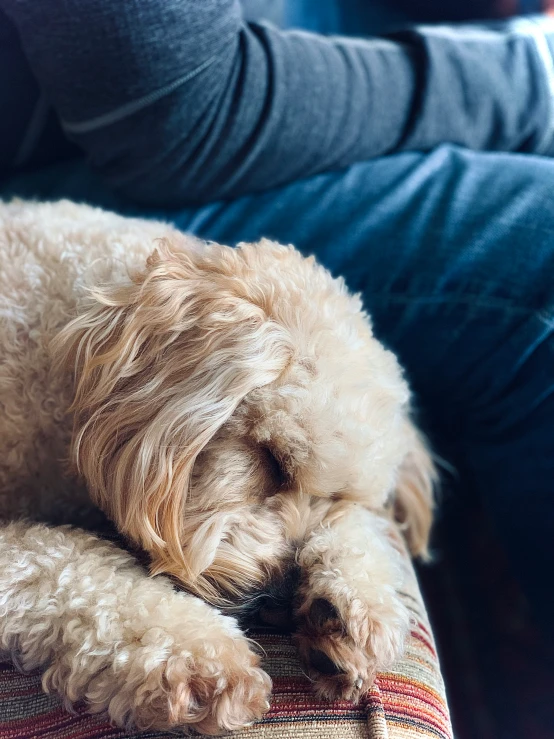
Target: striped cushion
[{"x": 405, "y": 703}]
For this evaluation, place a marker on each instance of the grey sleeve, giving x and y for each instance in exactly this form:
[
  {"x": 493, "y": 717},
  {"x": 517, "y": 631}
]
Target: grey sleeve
[{"x": 181, "y": 101}]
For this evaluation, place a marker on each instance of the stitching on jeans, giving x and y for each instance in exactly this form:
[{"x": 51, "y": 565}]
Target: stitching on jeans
[
  {"x": 546, "y": 317},
  {"x": 33, "y": 131},
  {"x": 124, "y": 111}
]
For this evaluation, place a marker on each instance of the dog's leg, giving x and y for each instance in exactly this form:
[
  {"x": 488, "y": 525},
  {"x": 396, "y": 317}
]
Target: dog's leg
[
  {"x": 351, "y": 621},
  {"x": 123, "y": 643}
]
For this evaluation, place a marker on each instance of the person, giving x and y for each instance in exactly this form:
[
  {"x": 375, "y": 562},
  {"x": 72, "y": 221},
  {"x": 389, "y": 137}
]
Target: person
[{"x": 418, "y": 166}]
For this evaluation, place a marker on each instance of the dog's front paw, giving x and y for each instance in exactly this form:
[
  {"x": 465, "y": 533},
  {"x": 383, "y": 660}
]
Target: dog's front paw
[
  {"x": 170, "y": 678},
  {"x": 221, "y": 688},
  {"x": 217, "y": 688},
  {"x": 344, "y": 641}
]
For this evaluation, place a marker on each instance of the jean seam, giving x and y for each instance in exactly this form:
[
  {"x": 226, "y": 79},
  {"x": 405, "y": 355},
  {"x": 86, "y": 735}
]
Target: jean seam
[{"x": 34, "y": 130}]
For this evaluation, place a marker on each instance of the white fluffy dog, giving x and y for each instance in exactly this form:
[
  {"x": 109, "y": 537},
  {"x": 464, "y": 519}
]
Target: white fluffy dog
[{"x": 232, "y": 414}]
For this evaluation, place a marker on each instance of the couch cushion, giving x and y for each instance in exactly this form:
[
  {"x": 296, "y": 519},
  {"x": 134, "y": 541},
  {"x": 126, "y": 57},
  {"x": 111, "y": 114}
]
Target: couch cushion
[{"x": 405, "y": 703}]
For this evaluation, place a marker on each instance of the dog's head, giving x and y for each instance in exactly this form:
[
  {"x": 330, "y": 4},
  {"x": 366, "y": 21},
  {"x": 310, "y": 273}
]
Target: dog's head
[{"x": 225, "y": 400}]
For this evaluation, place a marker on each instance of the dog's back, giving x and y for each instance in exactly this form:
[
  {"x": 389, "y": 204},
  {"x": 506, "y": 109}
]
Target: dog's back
[{"x": 50, "y": 253}]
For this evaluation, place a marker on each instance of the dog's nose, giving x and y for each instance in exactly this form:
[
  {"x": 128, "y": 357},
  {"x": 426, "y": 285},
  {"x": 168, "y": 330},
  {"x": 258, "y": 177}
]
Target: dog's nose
[
  {"x": 275, "y": 604},
  {"x": 322, "y": 663},
  {"x": 279, "y": 618}
]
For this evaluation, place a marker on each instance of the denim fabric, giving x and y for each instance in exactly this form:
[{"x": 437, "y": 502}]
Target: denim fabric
[{"x": 453, "y": 252}]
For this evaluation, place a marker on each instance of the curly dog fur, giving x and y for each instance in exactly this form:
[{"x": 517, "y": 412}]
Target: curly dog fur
[{"x": 233, "y": 415}]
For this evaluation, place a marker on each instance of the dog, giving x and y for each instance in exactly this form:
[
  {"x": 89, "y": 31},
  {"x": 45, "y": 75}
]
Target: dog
[{"x": 231, "y": 412}]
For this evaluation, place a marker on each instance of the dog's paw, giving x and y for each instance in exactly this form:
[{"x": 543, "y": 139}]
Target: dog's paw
[
  {"x": 344, "y": 641},
  {"x": 214, "y": 686},
  {"x": 221, "y": 689}
]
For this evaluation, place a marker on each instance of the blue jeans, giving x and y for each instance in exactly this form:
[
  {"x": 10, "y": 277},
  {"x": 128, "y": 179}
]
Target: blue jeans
[{"x": 453, "y": 252}]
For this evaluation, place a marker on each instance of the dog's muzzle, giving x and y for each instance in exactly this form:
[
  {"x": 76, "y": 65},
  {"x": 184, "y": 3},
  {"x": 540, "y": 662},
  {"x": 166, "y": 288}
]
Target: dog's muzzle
[{"x": 273, "y": 605}]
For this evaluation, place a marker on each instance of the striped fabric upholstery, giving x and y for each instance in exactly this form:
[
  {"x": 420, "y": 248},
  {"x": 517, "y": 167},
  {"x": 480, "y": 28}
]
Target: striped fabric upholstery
[{"x": 405, "y": 703}]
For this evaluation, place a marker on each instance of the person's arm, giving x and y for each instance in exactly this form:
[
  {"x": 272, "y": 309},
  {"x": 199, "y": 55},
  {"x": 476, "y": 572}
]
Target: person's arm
[{"x": 179, "y": 101}]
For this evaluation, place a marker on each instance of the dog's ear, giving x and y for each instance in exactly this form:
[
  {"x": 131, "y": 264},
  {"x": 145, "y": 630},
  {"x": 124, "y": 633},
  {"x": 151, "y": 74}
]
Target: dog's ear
[
  {"x": 160, "y": 364},
  {"x": 414, "y": 495}
]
